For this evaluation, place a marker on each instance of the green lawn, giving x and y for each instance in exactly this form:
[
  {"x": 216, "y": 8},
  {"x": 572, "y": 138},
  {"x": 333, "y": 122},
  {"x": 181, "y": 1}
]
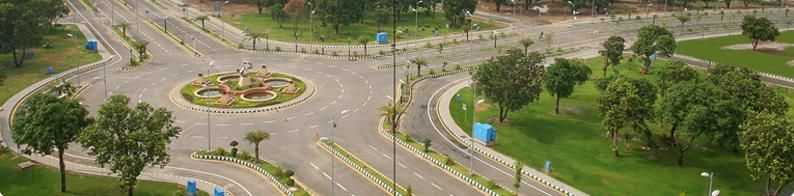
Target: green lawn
[
  {"x": 574, "y": 142},
  {"x": 760, "y": 61},
  {"x": 188, "y": 93},
  {"x": 66, "y": 53},
  {"x": 39, "y": 180},
  {"x": 264, "y": 23}
]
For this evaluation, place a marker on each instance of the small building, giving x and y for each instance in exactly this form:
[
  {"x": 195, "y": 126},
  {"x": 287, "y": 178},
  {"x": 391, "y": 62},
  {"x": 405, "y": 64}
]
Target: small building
[{"x": 484, "y": 133}]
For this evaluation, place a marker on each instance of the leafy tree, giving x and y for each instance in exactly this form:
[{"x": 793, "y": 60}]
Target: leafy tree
[
  {"x": 511, "y": 81},
  {"x": 563, "y": 76},
  {"x": 653, "y": 40},
  {"x": 683, "y": 18},
  {"x": 340, "y": 13},
  {"x": 695, "y": 108},
  {"x": 382, "y": 17},
  {"x": 455, "y": 11},
  {"x": 526, "y": 42},
  {"x": 364, "y": 40},
  {"x": 46, "y": 123},
  {"x": 426, "y": 142},
  {"x": 627, "y": 102},
  {"x": 2, "y": 78},
  {"x": 255, "y": 137},
  {"x": 277, "y": 14},
  {"x": 260, "y": 5},
  {"x": 672, "y": 73},
  {"x": 294, "y": 8},
  {"x": 612, "y": 52},
  {"x": 499, "y": 4},
  {"x": 253, "y": 36},
  {"x": 202, "y": 18},
  {"x": 140, "y": 45},
  {"x": 51, "y": 10},
  {"x": 768, "y": 143},
  {"x": 129, "y": 139},
  {"x": 759, "y": 29},
  {"x": 23, "y": 28},
  {"x": 419, "y": 62},
  {"x": 578, "y": 3},
  {"x": 519, "y": 167}
]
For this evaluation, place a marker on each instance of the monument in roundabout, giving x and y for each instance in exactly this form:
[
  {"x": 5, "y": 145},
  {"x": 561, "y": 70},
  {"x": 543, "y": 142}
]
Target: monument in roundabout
[{"x": 244, "y": 88}]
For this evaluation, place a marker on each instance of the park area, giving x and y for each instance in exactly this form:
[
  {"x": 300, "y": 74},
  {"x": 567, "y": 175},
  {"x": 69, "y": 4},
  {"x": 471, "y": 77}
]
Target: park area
[
  {"x": 39, "y": 180},
  {"x": 776, "y": 59},
  {"x": 579, "y": 148},
  {"x": 352, "y": 33},
  {"x": 66, "y": 53}
]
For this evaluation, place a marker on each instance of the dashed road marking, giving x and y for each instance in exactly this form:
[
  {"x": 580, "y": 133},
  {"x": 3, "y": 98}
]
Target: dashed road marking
[
  {"x": 314, "y": 166},
  {"x": 314, "y": 126},
  {"x": 438, "y": 187},
  {"x": 420, "y": 176}
]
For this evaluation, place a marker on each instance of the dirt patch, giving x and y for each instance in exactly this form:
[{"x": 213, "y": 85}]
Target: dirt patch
[
  {"x": 233, "y": 9},
  {"x": 791, "y": 63},
  {"x": 771, "y": 47},
  {"x": 482, "y": 107}
]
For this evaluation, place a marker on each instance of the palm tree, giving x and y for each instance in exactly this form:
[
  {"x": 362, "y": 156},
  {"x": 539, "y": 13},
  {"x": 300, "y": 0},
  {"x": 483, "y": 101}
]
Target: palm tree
[
  {"x": 389, "y": 112},
  {"x": 364, "y": 40},
  {"x": 526, "y": 43},
  {"x": 202, "y": 19},
  {"x": 141, "y": 46},
  {"x": 123, "y": 27},
  {"x": 419, "y": 63},
  {"x": 255, "y": 137},
  {"x": 254, "y": 36}
]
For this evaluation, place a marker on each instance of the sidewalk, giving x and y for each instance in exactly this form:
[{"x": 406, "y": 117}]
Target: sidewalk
[{"x": 449, "y": 124}]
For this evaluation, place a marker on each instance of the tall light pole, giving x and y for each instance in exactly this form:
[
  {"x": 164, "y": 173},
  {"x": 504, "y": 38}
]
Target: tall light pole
[
  {"x": 220, "y": 10},
  {"x": 209, "y": 136},
  {"x": 333, "y": 128},
  {"x": 105, "y": 78},
  {"x": 394, "y": 91},
  {"x": 710, "y": 175},
  {"x": 416, "y": 29},
  {"x": 473, "y": 120},
  {"x": 466, "y": 14},
  {"x": 648, "y": 10},
  {"x": 494, "y": 38},
  {"x": 112, "y": 14},
  {"x": 311, "y": 27},
  {"x": 573, "y": 12}
]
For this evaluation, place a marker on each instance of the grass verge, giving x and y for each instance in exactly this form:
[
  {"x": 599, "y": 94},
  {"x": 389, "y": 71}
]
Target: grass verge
[
  {"x": 279, "y": 173},
  {"x": 363, "y": 165},
  {"x": 767, "y": 61}
]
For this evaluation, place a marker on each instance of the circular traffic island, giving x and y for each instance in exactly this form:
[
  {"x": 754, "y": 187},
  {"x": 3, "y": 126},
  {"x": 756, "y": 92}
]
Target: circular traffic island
[{"x": 242, "y": 89}]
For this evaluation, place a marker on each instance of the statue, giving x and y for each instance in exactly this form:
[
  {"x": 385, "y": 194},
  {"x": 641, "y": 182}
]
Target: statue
[
  {"x": 263, "y": 73},
  {"x": 244, "y": 80}
]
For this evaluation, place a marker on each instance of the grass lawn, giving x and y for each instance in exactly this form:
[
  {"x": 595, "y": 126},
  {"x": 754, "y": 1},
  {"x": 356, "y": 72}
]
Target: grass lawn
[
  {"x": 188, "y": 93},
  {"x": 366, "y": 167},
  {"x": 66, "y": 53},
  {"x": 574, "y": 142},
  {"x": 760, "y": 61},
  {"x": 40, "y": 180},
  {"x": 264, "y": 23}
]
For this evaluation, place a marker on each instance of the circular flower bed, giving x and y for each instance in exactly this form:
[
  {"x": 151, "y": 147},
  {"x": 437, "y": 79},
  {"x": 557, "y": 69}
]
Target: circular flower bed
[{"x": 225, "y": 90}]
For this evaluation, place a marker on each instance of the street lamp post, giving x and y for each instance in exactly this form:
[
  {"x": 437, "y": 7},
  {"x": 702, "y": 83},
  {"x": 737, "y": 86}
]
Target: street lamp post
[
  {"x": 473, "y": 120},
  {"x": 165, "y": 23},
  {"x": 494, "y": 38},
  {"x": 105, "y": 77},
  {"x": 648, "y": 10},
  {"x": 333, "y": 128},
  {"x": 311, "y": 26},
  {"x": 223, "y": 26},
  {"x": 209, "y": 136},
  {"x": 416, "y": 29},
  {"x": 710, "y": 175},
  {"x": 467, "y": 14}
]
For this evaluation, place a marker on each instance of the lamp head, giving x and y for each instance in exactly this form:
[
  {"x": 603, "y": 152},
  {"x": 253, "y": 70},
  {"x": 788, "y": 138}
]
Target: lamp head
[{"x": 705, "y": 174}]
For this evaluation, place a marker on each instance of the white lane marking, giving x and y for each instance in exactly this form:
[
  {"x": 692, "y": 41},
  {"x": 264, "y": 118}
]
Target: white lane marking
[
  {"x": 137, "y": 77},
  {"x": 180, "y": 121},
  {"x": 340, "y": 186},
  {"x": 356, "y": 110},
  {"x": 310, "y": 113},
  {"x": 387, "y": 156},
  {"x": 144, "y": 90},
  {"x": 269, "y": 121},
  {"x": 291, "y": 117},
  {"x": 314, "y": 166},
  {"x": 401, "y": 165},
  {"x": 321, "y": 109},
  {"x": 246, "y": 124},
  {"x": 366, "y": 81},
  {"x": 362, "y": 77},
  {"x": 326, "y": 175},
  {"x": 163, "y": 79},
  {"x": 293, "y": 131},
  {"x": 153, "y": 83},
  {"x": 314, "y": 126},
  {"x": 438, "y": 187},
  {"x": 373, "y": 147},
  {"x": 420, "y": 176},
  {"x": 198, "y": 137},
  {"x": 222, "y": 125},
  {"x": 334, "y": 102}
]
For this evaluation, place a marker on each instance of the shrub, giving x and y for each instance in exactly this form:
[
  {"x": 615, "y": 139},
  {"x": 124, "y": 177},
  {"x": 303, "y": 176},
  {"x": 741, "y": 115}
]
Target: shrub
[
  {"x": 457, "y": 67},
  {"x": 444, "y": 66},
  {"x": 290, "y": 182},
  {"x": 278, "y": 49},
  {"x": 334, "y": 53},
  {"x": 303, "y": 50},
  {"x": 491, "y": 184},
  {"x": 240, "y": 46},
  {"x": 409, "y": 139},
  {"x": 381, "y": 53},
  {"x": 355, "y": 53},
  {"x": 278, "y": 173},
  {"x": 289, "y": 173},
  {"x": 234, "y": 143},
  {"x": 480, "y": 37},
  {"x": 316, "y": 51},
  {"x": 246, "y": 156},
  {"x": 448, "y": 160},
  {"x": 638, "y": 17},
  {"x": 219, "y": 151},
  {"x": 428, "y": 45},
  {"x": 233, "y": 152},
  {"x": 432, "y": 72}
]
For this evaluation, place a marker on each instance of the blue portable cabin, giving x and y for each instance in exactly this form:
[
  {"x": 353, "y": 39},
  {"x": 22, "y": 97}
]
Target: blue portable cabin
[
  {"x": 382, "y": 38},
  {"x": 484, "y": 133}
]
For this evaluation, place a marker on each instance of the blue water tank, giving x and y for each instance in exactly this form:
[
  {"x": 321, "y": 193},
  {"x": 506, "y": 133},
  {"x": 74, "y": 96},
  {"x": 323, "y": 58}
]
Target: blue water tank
[
  {"x": 484, "y": 133},
  {"x": 382, "y": 38}
]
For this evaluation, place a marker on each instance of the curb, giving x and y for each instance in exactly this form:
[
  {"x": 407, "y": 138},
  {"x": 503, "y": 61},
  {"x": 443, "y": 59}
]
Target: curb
[{"x": 284, "y": 189}]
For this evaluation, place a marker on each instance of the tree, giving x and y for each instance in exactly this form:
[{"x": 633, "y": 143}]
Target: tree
[
  {"x": 526, "y": 42},
  {"x": 253, "y": 36},
  {"x": 653, "y": 40},
  {"x": 46, "y": 123},
  {"x": 124, "y": 27},
  {"x": 694, "y": 108},
  {"x": 255, "y": 137},
  {"x": 499, "y": 4},
  {"x": 612, "y": 52},
  {"x": 340, "y": 13},
  {"x": 140, "y": 45},
  {"x": 51, "y": 10},
  {"x": 23, "y": 28},
  {"x": 419, "y": 62},
  {"x": 758, "y": 29},
  {"x": 511, "y": 81},
  {"x": 260, "y": 5},
  {"x": 683, "y": 18},
  {"x": 426, "y": 143},
  {"x": 277, "y": 14},
  {"x": 2, "y": 78},
  {"x": 455, "y": 10},
  {"x": 202, "y": 19},
  {"x": 627, "y": 102},
  {"x": 382, "y": 17},
  {"x": 672, "y": 73},
  {"x": 519, "y": 167},
  {"x": 390, "y": 112},
  {"x": 563, "y": 76},
  {"x": 364, "y": 40},
  {"x": 768, "y": 143},
  {"x": 129, "y": 139},
  {"x": 294, "y": 8}
]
